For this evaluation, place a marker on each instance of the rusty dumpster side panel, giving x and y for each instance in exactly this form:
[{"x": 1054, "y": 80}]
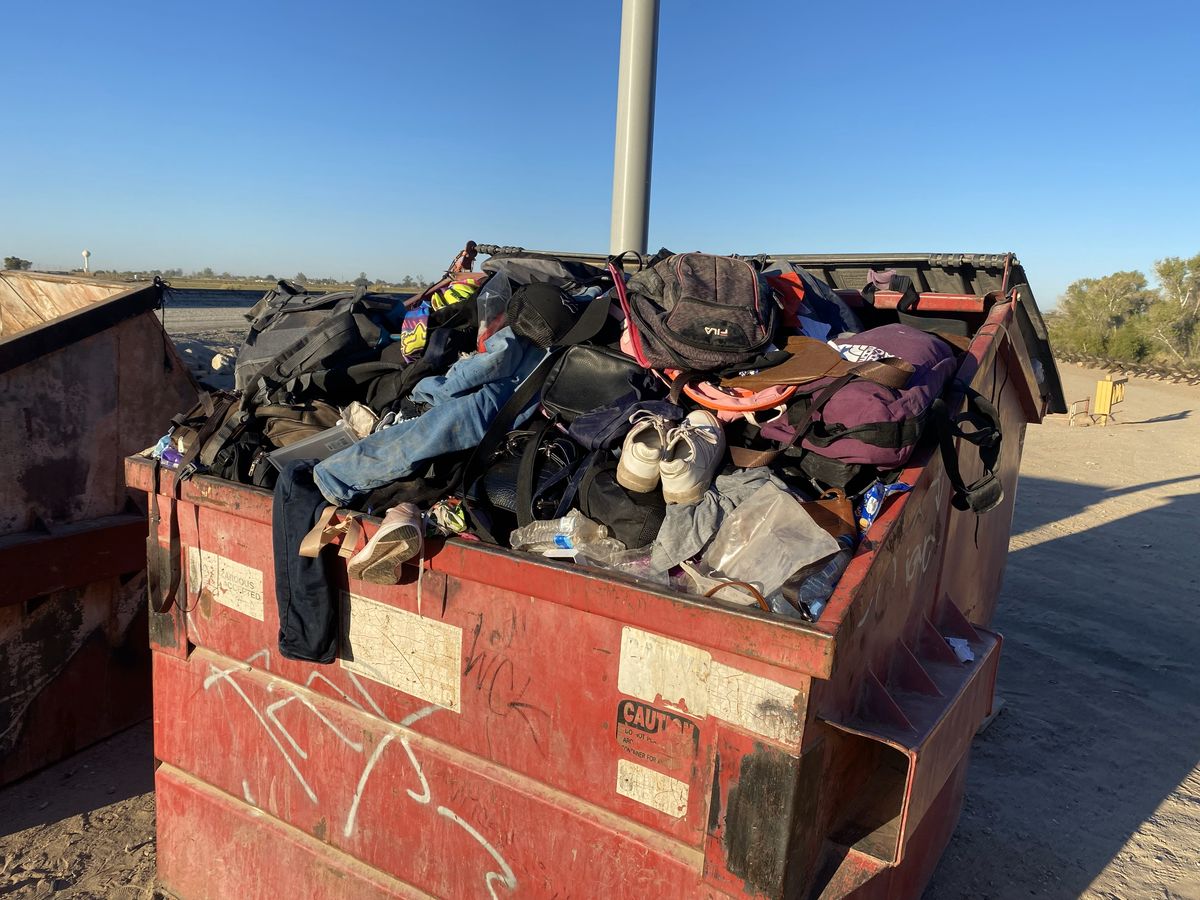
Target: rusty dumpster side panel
[
  {"x": 87, "y": 376},
  {"x": 499, "y": 725}
]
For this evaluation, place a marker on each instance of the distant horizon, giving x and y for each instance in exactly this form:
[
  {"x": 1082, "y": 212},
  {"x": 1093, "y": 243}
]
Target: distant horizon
[
  {"x": 198, "y": 275},
  {"x": 422, "y": 279}
]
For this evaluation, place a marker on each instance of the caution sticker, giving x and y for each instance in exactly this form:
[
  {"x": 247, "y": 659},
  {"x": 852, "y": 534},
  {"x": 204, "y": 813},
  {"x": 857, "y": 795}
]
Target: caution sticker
[{"x": 656, "y": 736}]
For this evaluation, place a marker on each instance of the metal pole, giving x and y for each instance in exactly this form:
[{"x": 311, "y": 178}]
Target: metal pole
[{"x": 635, "y": 126}]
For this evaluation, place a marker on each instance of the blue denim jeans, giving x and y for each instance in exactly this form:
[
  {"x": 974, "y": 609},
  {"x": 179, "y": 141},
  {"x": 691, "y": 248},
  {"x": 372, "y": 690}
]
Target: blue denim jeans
[{"x": 463, "y": 403}]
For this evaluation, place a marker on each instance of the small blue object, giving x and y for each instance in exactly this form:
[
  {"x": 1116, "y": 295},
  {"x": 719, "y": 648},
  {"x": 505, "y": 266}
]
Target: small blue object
[
  {"x": 872, "y": 502},
  {"x": 564, "y": 542}
]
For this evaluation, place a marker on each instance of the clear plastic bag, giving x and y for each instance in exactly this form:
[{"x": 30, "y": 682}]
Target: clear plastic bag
[
  {"x": 766, "y": 539},
  {"x": 634, "y": 563},
  {"x": 492, "y": 304}
]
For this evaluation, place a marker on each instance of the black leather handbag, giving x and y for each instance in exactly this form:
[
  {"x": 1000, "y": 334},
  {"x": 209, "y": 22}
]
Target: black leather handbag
[
  {"x": 529, "y": 473},
  {"x": 586, "y": 377}
]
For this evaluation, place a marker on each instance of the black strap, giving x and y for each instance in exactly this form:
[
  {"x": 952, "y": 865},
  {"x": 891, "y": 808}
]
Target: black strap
[
  {"x": 160, "y": 599},
  {"x": 217, "y": 429},
  {"x": 618, "y": 260},
  {"x": 745, "y": 458},
  {"x": 892, "y": 435},
  {"x": 987, "y": 491},
  {"x": 589, "y": 323},
  {"x": 527, "y": 471},
  {"x": 680, "y": 381},
  {"x": 234, "y": 423},
  {"x": 159, "y": 602},
  {"x": 584, "y": 471},
  {"x": 526, "y": 392},
  {"x": 901, "y": 283}
]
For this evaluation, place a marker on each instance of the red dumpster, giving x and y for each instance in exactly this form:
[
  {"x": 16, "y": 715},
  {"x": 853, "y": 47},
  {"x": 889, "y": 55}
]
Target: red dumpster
[
  {"x": 87, "y": 375},
  {"x": 502, "y": 725}
]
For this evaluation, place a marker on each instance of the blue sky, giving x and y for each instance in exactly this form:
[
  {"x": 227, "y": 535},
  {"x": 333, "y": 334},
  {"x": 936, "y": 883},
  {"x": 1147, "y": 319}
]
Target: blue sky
[{"x": 378, "y": 136}]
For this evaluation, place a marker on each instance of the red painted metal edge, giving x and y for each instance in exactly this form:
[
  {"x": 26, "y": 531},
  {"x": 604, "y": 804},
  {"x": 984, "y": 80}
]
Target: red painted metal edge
[
  {"x": 936, "y": 745},
  {"x": 795, "y": 646},
  {"x": 36, "y": 563},
  {"x": 927, "y": 302}
]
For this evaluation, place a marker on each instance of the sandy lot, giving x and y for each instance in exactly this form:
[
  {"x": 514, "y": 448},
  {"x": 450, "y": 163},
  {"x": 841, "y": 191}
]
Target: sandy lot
[{"x": 1087, "y": 783}]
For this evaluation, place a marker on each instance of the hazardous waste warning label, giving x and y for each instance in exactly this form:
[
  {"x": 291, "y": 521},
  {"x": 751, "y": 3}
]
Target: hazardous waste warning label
[{"x": 654, "y": 735}]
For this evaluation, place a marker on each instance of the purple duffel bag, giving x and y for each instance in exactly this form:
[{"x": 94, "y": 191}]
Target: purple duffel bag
[{"x": 860, "y": 422}]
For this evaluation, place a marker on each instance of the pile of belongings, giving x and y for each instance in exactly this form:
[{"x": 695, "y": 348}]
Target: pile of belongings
[{"x": 725, "y": 426}]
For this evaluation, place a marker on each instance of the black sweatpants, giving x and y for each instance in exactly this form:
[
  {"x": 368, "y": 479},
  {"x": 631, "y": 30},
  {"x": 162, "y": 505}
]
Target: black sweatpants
[{"x": 307, "y": 598}]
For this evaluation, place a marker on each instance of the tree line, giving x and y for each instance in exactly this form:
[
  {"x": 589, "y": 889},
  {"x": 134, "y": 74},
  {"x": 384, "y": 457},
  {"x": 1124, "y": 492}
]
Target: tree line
[{"x": 1120, "y": 316}]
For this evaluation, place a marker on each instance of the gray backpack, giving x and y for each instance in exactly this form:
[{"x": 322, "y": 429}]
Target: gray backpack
[
  {"x": 697, "y": 312},
  {"x": 285, "y": 314},
  {"x": 307, "y": 343}
]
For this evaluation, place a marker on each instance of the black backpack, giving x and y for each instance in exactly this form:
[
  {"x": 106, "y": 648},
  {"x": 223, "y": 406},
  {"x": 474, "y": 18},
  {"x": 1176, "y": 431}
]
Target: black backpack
[
  {"x": 696, "y": 312},
  {"x": 632, "y": 518},
  {"x": 202, "y": 432},
  {"x": 522, "y": 266}
]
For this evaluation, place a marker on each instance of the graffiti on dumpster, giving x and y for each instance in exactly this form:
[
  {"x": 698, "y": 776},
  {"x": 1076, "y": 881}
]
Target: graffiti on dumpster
[
  {"x": 922, "y": 555},
  {"x": 488, "y": 670},
  {"x": 293, "y": 753}
]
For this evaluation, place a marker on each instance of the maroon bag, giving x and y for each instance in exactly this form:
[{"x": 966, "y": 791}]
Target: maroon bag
[
  {"x": 848, "y": 421},
  {"x": 861, "y": 422},
  {"x": 865, "y": 422}
]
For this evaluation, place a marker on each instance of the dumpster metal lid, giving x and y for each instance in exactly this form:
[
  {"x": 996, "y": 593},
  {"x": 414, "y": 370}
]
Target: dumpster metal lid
[
  {"x": 951, "y": 273},
  {"x": 41, "y": 313}
]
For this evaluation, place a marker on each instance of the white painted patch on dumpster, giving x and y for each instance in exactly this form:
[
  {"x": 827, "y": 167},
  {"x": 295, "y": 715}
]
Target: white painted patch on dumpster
[
  {"x": 419, "y": 656},
  {"x": 654, "y": 789},
  {"x": 232, "y": 584},
  {"x": 757, "y": 704},
  {"x": 661, "y": 670},
  {"x": 658, "y": 669}
]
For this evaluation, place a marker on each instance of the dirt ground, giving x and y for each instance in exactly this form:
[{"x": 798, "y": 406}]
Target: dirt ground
[{"x": 1086, "y": 785}]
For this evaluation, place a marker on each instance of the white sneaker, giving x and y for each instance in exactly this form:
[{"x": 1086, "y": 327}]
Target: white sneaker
[
  {"x": 637, "y": 469},
  {"x": 694, "y": 451},
  {"x": 400, "y": 537}
]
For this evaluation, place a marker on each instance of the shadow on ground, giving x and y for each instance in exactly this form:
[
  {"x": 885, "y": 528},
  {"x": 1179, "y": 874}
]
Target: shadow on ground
[
  {"x": 1173, "y": 417},
  {"x": 113, "y": 770},
  {"x": 1099, "y": 676}
]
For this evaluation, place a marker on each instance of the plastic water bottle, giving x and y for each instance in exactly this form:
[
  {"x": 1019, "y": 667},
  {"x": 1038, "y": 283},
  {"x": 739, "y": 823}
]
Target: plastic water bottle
[
  {"x": 810, "y": 590},
  {"x": 571, "y": 531}
]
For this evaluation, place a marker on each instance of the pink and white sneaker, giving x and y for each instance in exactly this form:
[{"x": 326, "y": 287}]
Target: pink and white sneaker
[{"x": 399, "y": 539}]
